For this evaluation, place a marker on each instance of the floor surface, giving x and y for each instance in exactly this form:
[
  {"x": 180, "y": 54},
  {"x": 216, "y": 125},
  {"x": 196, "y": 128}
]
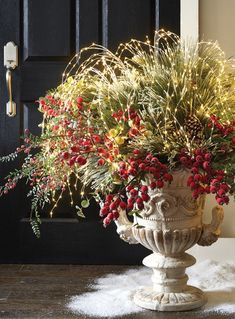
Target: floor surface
[{"x": 42, "y": 291}]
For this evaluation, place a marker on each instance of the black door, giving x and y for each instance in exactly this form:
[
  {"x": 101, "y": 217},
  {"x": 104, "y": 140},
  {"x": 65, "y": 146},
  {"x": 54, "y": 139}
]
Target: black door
[{"x": 48, "y": 33}]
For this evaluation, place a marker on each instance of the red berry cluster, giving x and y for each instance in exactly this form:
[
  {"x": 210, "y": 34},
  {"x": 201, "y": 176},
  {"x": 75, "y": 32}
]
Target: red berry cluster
[
  {"x": 129, "y": 114},
  {"x": 80, "y": 103},
  {"x": 136, "y": 193},
  {"x": 224, "y": 128},
  {"x": 132, "y": 115},
  {"x": 110, "y": 208},
  {"x": 205, "y": 179},
  {"x": 10, "y": 184},
  {"x": 149, "y": 164},
  {"x": 49, "y": 105},
  {"x": 71, "y": 158},
  {"x": 120, "y": 116}
]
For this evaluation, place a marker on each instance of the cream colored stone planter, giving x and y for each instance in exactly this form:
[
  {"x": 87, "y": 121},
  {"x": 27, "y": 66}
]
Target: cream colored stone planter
[{"x": 170, "y": 224}]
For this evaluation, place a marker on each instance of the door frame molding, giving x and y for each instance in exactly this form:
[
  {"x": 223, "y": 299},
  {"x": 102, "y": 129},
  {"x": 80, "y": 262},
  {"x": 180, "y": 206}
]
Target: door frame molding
[{"x": 189, "y": 19}]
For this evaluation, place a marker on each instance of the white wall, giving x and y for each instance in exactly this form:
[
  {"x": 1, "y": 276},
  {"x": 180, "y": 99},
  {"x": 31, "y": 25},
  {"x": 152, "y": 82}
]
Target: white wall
[
  {"x": 217, "y": 22},
  {"x": 212, "y": 20}
]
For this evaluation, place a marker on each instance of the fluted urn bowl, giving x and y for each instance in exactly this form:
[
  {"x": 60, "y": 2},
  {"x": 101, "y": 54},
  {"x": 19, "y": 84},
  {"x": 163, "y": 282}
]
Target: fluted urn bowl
[{"x": 170, "y": 224}]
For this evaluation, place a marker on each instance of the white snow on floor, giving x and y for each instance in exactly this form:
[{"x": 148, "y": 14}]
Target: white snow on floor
[{"x": 112, "y": 294}]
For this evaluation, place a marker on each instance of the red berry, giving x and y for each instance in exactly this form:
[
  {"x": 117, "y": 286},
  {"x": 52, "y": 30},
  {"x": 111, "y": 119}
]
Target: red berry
[
  {"x": 219, "y": 178},
  {"x": 75, "y": 149},
  {"x": 110, "y": 216},
  {"x": 66, "y": 155},
  {"x": 83, "y": 161},
  {"x": 106, "y": 221},
  {"x": 145, "y": 197},
  {"x": 160, "y": 184},
  {"x": 215, "y": 182},
  {"x": 71, "y": 162},
  {"x": 153, "y": 185},
  {"x": 196, "y": 164},
  {"x": 69, "y": 133},
  {"x": 152, "y": 170},
  {"x": 207, "y": 156},
  {"x": 122, "y": 205},
  {"x": 198, "y": 151},
  {"x": 134, "y": 164},
  {"x": 220, "y": 200},
  {"x": 130, "y": 206},
  {"x": 115, "y": 215},
  {"x": 140, "y": 206},
  {"x": 129, "y": 188},
  {"x": 139, "y": 201},
  {"x": 154, "y": 160},
  {"x": 167, "y": 177},
  {"x": 133, "y": 192},
  {"x": 197, "y": 177},
  {"x": 190, "y": 180},
  {"x": 199, "y": 158},
  {"x": 220, "y": 172},
  {"x": 224, "y": 186},
  {"x": 149, "y": 157},
  {"x": 206, "y": 165},
  {"x": 142, "y": 166},
  {"x": 136, "y": 152},
  {"x": 221, "y": 192},
  {"x": 207, "y": 189},
  {"x": 195, "y": 194},
  {"x": 113, "y": 206},
  {"x": 101, "y": 151},
  {"x": 122, "y": 165},
  {"x": 109, "y": 197},
  {"x": 213, "y": 189},
  {"x": 130, "y": 201},
  {"x": 201, "y": 190},
  {"x": 233, "y": 140},
  {"x": 96, "y": 138},
  {"x": 226, "y": 199},
  {"x": 104, "y": 211},
  {"x": 79, "y": 100},
  {"x": 133, "y": 132},
  {"x": 193, "y": 185},
  {"x": 101, "y": 162},
  {"x": 205, "y": 179},
  {"x": 144, "y": 189},
  {"x": 118, "y": 201},
  {"x": 122, "y": 171},
  {"x": 194, "y": 170},
  {"x": 132, "y": 171}
]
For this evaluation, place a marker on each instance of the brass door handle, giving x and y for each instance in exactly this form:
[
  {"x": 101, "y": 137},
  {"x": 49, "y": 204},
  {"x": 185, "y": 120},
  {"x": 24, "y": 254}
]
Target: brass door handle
[
  {"x": 10, "y": 62},
  {"x": 11, "y": 106}
]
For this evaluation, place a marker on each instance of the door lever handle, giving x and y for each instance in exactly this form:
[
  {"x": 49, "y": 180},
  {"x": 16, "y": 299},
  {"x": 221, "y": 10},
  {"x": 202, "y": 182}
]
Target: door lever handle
[
  {"x": 10, "y": 62},
  {"x": 11, "y": 106}
]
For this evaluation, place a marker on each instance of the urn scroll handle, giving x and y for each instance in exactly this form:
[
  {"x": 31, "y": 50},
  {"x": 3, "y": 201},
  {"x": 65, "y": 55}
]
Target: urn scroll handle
[
  {"x": 124, "y": 228},
  {"x": 211, "y": 232}
]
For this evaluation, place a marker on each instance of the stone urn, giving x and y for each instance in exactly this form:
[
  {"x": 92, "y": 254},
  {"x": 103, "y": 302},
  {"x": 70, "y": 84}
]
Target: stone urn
[{"x": 169, "y": 225}]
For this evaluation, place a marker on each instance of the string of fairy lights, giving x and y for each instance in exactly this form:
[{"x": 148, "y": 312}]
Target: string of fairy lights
[{"x": 165, "y": 82}]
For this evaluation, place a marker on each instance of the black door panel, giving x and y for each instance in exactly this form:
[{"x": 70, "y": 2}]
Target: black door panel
[{"x": 48, "y": 33}]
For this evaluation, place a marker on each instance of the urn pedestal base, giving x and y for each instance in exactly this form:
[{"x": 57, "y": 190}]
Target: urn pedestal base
[
  {"x": 170, "y": 291},
  {"x": 190, "y": 298}
]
